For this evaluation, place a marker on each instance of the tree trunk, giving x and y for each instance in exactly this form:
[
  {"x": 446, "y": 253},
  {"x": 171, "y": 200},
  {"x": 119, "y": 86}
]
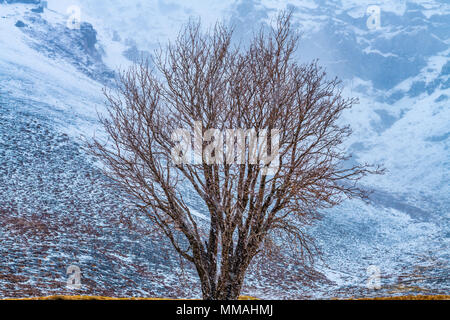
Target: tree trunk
[
  {"x": 230, "y": 291},
  {"x": 230, "y": 288}
]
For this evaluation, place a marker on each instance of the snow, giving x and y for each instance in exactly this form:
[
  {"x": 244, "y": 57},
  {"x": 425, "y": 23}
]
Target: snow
[
  {"x": 404, "y": 229},
  {"x": 35, "y": 76},
  {"x": 199, "y": 215},
  {"x": 162, "y": 21}
]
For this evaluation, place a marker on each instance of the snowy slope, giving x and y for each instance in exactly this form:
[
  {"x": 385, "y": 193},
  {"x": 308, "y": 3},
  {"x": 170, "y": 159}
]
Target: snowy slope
[
  {"x": 50, "y": 91},
  {"x": 56, "y": 209}
]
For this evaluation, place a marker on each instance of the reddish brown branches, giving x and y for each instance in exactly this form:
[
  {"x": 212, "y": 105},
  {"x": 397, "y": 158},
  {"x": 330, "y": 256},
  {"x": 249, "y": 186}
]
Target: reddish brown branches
[{"x": 201, "y": 82}]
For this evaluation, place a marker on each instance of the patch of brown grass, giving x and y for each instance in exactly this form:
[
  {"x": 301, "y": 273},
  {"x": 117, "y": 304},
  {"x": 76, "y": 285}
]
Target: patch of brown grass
[{"x": 411, "y": 297}]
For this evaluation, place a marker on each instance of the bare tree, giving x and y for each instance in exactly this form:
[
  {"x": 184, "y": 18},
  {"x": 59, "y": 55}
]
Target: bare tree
[{"x": 201, "y": 82}]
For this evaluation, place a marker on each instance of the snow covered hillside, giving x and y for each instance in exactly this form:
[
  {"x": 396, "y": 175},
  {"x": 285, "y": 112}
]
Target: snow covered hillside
[{"x": 56, "y": 209}]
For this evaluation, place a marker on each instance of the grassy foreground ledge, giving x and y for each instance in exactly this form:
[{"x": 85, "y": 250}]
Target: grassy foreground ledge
[{"x": 418, "y": 297}]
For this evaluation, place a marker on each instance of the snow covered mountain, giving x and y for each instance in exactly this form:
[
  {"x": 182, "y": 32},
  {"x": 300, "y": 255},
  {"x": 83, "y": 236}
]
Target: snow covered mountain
[{"x": 56, "y": 209}]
